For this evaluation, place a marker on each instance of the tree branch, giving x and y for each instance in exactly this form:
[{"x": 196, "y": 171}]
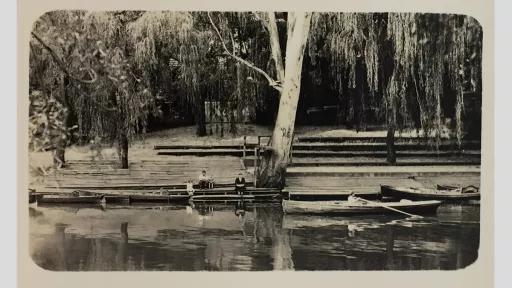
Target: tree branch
[
  {"x": 275, "y": 46},
  {"x": 273, "y": 83},
  {"x": 61, "y": 65},
  {"x": 263, "y": 22}
]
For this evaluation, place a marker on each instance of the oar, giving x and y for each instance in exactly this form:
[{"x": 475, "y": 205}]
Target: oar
[{"x": 390, "y": 208}]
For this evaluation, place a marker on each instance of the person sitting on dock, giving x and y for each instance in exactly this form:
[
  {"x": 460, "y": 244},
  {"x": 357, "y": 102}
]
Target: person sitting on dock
[
  {"x": 205, "y": 181},
  {"x": 240, "y": 184},
  {"x": 190, "y": 187}
]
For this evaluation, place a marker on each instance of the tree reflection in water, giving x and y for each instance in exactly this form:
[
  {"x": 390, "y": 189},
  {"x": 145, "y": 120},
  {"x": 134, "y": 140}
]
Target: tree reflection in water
[{"x": 246, "y": 236}]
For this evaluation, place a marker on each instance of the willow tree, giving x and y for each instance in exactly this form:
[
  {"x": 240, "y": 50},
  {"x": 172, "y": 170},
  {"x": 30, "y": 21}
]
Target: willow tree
[
  {"x": 115, "y": 103},
  {"x": 54, "y": 68},
  {"x": 121, "y": 101},
  {"x": 433, "y": 51},
  {"x": 181, "y": 46},
  {"x": 169, "y": 43},
  {"x": 407, "y": 60}
]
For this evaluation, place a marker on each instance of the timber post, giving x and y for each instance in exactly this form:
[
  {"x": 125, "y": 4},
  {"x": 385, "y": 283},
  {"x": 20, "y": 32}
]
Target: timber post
[
  {"x": 255, "y": 166},
  {"x": 244, "y": 148},
  {"x": 124, "y": 227},
  {"x": 291, "y": 148}
]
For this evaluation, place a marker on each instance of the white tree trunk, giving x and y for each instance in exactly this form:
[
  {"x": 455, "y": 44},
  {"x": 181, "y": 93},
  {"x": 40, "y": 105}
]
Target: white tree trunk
[
  {"x": 276, "y": 159},
  {"x": 275, "y": 47}
]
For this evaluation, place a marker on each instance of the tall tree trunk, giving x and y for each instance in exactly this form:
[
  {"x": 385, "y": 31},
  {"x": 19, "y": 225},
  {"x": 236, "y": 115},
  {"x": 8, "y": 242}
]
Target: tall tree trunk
[
  {"x": 123, "y": 151},
  {"x": 59, "y": 159},
  {"x": 390, "y": 143},
  {"x": 232, "y": 123},
  {"x": 201, "y": 117},
  {"x": 273, "y": 167}
]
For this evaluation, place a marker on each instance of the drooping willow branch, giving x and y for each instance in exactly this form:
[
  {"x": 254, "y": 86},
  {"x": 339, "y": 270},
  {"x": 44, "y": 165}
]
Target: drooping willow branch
[
  {"x": 62, "y": 66},
  {"x": 273, "y": 83}
]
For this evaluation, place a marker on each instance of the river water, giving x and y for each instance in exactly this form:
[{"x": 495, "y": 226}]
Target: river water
[{"x": 255, "y": 237}]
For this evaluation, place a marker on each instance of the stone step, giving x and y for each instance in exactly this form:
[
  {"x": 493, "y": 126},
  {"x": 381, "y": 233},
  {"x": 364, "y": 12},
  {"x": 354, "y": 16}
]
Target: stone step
[
  {"x": 374, "y": 139},
  {"x": 377, "y": 171},
  {"x": 369, "y": 161},
  {"x": 342, "y": 146},
  {"x": 316, "y": 153}
]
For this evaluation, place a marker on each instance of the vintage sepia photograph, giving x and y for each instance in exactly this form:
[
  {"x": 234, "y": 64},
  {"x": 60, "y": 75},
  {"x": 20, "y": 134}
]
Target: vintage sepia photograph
[{"x": 254, "y": 141}]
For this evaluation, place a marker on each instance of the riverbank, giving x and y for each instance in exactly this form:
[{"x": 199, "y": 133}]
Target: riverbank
[{"x": 97, "y": 164}]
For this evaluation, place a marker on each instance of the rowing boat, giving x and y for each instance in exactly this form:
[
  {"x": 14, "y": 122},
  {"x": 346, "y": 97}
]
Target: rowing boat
[
  {"x": 466, "y": 189},
  {"x": 322, "y": 194},
  {"x": 350, "y": 208},
  {"x": 158, "y": 198},
  {"x": 428, "y": 194},
  {"x": 69, "y": 199}
]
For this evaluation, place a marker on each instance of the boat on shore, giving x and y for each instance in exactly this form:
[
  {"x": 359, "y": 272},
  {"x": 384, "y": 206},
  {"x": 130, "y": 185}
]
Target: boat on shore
[
  {"x": 350, "y": 208},
  {"x": 429, "y": 194}
]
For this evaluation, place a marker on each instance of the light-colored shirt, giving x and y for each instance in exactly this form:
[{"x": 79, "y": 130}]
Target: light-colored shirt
[
  {"x": 352, "y": 199},
  {"x": 203, "y": 177}
]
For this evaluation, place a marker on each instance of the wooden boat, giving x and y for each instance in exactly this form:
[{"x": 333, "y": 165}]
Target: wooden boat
[
  {"x": 69, "y": 199},
  {"x": 347, "y": 208},
  {"x": 466, "y": 189},
  {"x": 222, "y": 197},
  {"x": 427, "y": 194},
  {"x": 116, "y": 199},
  {"x": 158, "y": 198},
  {"x": 32, "y": 198},
  {"x": 327, "y": 194}
]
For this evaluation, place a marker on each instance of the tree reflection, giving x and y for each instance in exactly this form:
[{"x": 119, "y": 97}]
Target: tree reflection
[
  {"x": 272, "y": 226},
  {"x": 243, "y": 236}
]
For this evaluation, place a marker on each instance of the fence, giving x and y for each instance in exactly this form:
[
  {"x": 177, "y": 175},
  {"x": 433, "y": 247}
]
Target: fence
[{"x": 257, "y": 154}]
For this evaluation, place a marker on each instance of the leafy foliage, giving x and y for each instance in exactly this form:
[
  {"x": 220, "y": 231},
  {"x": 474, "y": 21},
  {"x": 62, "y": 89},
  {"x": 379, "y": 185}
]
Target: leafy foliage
[
  {"x": 118, "y": 102},
  {"x": 429, "y": 53},
  {"x": 119, "y": 65}
]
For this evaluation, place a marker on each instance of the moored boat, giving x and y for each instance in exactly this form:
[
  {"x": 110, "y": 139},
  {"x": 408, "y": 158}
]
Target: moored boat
[
  {"x": 32, "y": 198},
  {"x": 350, "y": 208},
  {"x": 302, "y": 194},
  {"x": 466, "y": 189},
  {"x": 69, "y": 199},
  {"x": 158, "y": 198},
  {"x": 428, "y": 194}
]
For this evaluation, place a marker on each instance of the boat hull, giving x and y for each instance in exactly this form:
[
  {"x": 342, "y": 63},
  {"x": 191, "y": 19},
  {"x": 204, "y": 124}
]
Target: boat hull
[
  {"x": 327, "y": 195},
  {"x": 426, "y": 194},
  {"x": 159, "y": 198},
  {"x": 46, "y": 199},
  {"x": 344, "y": 208}
]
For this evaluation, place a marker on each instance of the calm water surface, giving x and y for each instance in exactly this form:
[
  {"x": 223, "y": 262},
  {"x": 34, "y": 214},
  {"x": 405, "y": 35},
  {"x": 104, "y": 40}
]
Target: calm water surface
[{"x": 252, "y": 237}]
